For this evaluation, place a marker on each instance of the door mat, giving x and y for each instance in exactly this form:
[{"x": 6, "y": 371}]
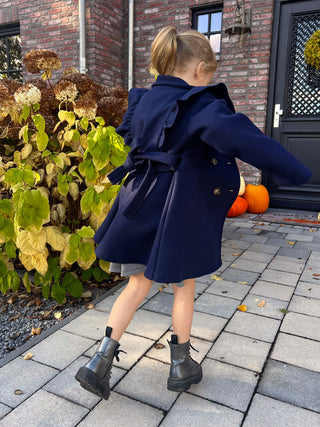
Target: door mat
[{"x": 290, "y": 217}]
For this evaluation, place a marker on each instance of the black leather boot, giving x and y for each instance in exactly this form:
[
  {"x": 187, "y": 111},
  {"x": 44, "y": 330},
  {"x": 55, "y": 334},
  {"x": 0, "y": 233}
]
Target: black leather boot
[
  {"x": 95, "y": 375},
  {"x": 184, "y": 371}
]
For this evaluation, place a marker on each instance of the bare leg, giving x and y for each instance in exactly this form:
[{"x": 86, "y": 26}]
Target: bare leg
[
  {"x": 182, "y": 310},
  {"x": 127, "y": 303}
]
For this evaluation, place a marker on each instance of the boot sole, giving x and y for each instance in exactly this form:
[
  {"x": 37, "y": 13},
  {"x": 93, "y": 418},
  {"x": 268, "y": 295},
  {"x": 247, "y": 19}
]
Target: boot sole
[
  {"x": 91, "y": 382},
  {"x": 183, "y": 385}
]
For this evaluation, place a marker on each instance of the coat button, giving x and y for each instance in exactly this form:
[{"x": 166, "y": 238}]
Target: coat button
[
  {"x": 214, "y": 161},
  {"x": 217, "y": 191}
]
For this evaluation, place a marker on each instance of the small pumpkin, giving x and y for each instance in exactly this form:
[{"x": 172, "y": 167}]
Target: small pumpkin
[
  {"x": 257, "y": 197},
  {"x": 242, "y": 188},
  {"x": 239, "y": 207}
]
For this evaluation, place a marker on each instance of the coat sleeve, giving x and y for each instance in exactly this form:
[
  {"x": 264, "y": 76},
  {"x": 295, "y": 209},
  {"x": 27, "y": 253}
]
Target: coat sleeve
[{"x": 234, "y": 135}]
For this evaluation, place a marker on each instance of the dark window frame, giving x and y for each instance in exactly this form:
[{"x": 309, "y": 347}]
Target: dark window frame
[
  {"x": 208, "y": 10},
  {"x": 6, "y": 31}
]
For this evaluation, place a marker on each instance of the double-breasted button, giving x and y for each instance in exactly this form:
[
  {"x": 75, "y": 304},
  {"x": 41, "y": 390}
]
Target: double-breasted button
[
  {"x": 214, "y": 161},
  {"x": 217, "y": 191}
]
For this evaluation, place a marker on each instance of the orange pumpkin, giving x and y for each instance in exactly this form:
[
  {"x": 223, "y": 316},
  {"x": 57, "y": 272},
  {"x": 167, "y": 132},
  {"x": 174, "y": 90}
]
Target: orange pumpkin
[
  {"x": 239, "y": 207},
  {"x": 257, "y": 197}
]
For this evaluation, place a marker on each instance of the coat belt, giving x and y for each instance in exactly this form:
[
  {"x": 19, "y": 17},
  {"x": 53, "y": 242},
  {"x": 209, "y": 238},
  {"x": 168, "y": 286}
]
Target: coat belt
[{"x": 149, "y": 162}]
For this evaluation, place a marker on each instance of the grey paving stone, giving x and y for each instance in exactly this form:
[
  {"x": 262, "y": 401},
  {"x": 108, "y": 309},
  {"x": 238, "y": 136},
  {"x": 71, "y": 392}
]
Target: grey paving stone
[
  {"x": 241, "y": 351},
  {"x": 267, "y": 226},
  {"x": 275, "y": 234},
  {"x": 193, "y": 411},
  {"x": 295, "y": 253},
  {"x": 315, "y": 256},
  {"x": 253, "y": 326},
  {"x": 299, "y": 237},
  {"x": 291, "y": 384},
  {"x": 4, "y": 410},
  {"x": 234, "y": 235},
  {"x": 311, "y": 272},
  {"x": 149, "y": 324},
  {"x": 207, "y": 326},
  {"x": 236, "y": 244},
  {"x": 265, "y": 249},
  {"x": 256, "y": 256},
  {"x": 230, "y": 254},
  {"x": 272, "y": 290},
  {"x": 66, "y": 386},
  {"x": 305, "y": 305},
  {"x": 91, "y": 324},
  {"x": 235, "y": 275},
  {"x": 45, "y": 409},
  {"x": 290, "y": 267},
  {"x": 285, "y": 228},
  {"x": 297, "y": 351},
  {"x": 205, "y": 279},
  {"x": 284, "y": 278},
  {"x": 224, "y": 266},
  {"x": 302, "y": 325},
  {"x": 60, "y": 349},
  {"x": 253, "y": 239},
  {"x": 121, "y": 411},
  {"x": 160, "y": 303},
  {"x": 316, "y": 239},
  {"x": 163, "y": 354},
  {"x": 266, "y": 412},
  {"x": 309, "y": 290},
  {"x": 290, "y": 259},
  {"x": 308, "y": 246},
  {"x": 249, "y": 265},
  {"x": 247, "y": 231},
  {"x": 226, "y": 384},
  {"x": 244, "y": 224},
  {"x": 228, "y": 289},
  {"x": 271, "y": 308},
  {"x": 218, "y": 306},
  {"x": 147, "y": 382},
  {"x": 278, "y": 242},
  {"x": 25, "y": 375}
]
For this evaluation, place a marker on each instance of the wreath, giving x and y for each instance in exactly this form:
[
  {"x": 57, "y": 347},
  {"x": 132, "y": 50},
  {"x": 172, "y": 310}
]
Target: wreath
[{"x": 312, "y": 50}]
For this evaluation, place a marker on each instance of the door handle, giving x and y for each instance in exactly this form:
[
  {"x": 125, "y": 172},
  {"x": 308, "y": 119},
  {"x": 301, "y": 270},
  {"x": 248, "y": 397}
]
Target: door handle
[{"x": 277, "y": 113}]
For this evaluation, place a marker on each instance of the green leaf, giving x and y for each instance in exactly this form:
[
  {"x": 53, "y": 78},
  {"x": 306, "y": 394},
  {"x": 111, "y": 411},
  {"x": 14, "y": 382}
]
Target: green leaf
[
  {"x": 74, "y": 241},
  {"x": 36, "y": 107},
  {"x": 58, "y": 293},
  {"x": 8, "y": 229},
  {"x": 65, "y": 229},
  {"x": 86, "y": 251},
  {"x": 46, "y": 291},
  {"x": 32, "y": 210},
  {"x": 1, "y": 222},
  {"x": 67, "y": 116},
  {"x": 110, "y": 193},
  {"x": 63, "y": 186},
  {"x": 68, "y": 278},
  {"x": 3, "y": 269},
  {"x": 100, "y": 121},
  {"x": 100, "y": 275},
  {"x": 86, "y": 232},
  {"x": 38, "y": 279},
  {"x": 28, "y": 177},
  {"x": 25, "y": 113},
  {"x": 5, "y": 206},
  {"x": 75, "y": 288},
  {"x": 25, "y": 134},
  {"x": 10, "y": 249},
  {"x": 42, "y": 140},
  {"x": 46, "y": 153},
  {"x": 53, "y": 262},
  {"x": 59, "y": 162},
  {"x": 87, "y": 200},
  {"x": 86, "y": 274},
  {"x": 72, "y": 255},
  {"x": 14, "y": 176},
  {"x": 88, "y": 170},
  {"x": 13, "y": 280},
  {"x": 84, "y": 122},
  {"x": 4, "y": 284},
  {"x": 39, "y": 122},
  {"x": 26, "y": 282},
  {"x": 56, "y": 272},
  {"x": 99, "y": 145},
  {"x": 283, "y": 310}
]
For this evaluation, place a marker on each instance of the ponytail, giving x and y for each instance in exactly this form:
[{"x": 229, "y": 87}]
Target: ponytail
[{"x": 163, "y": 51}]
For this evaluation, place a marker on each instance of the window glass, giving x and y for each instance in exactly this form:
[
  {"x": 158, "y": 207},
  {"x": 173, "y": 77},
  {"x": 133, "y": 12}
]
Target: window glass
[
  {"x": 216, "y": 21},
  {"x": 203, "y": 21},
  {"x": 10, "y": 52},
  {"x": 208, "y": 21}
]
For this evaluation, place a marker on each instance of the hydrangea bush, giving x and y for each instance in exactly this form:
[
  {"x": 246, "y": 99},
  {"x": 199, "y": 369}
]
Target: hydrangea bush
[{"x": 58, "y": 143}]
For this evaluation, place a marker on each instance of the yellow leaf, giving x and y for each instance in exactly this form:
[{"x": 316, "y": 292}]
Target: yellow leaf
[
  {"x": 39, "y": 262},
  {"x": 242, "y": 283},
  {"x": 256, "y": 300},
  {"x": 28, "y": 356},
  {"x": 23, "y": 243},
  {"x": 88, "y": 264},
  {"x": 36, "y": 331},
  {"x": 215, "y": 277},
  {"x": 74, "y": 190},
  {"x": 38, "y": 240},
  {"x": 242, "y": 307},
  {"x": 291, "y": 243},
  {"x": 57, "y": 315},
  {"x": 262, "y": 303},
  {"x": 104, "y": 265},
  {"x": 55, "y": 238},
  {"x": 89, "y": 306},
  {"x": 18, "y": 391},
  {"x": 26, "y": 260},
  {"x": 84, "y": 141},
  {"x": 50, "y": 168},
  {"x": 26, "y": 151}
]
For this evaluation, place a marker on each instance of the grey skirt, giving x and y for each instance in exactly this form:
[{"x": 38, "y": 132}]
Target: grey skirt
[{"x": 128, "y": 269}]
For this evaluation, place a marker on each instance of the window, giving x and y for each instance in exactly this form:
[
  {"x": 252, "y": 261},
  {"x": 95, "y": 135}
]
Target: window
[
  {"x": 209, "y": 22},
  {"x": 10, "y": 52}
]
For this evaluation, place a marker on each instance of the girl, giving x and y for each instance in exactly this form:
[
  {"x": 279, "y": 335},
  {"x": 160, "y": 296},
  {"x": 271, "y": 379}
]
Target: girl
[{"x": 181, "y": 180}]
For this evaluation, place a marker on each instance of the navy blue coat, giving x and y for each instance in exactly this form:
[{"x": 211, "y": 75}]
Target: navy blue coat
[{"x": 183, "y": 178}]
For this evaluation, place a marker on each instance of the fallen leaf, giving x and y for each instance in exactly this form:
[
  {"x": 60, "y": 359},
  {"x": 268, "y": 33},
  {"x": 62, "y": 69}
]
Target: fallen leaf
[
  {"x": 316, "y": 275},
  {"x": 86, "y": 294},
  {"x": 233, "y": 265},
  {"x": 15, "y": 317},
  {"x": 28, "y": 356},
  {"x": 89, "y": 306},
  {"x": 256, "y": 300},
  {"x": 36, "y": 331},
  {"x": 237, "y": 254},
  {"x": 242, "y": 307},
  {"x": 291, "y": 243},
  {"x": 232, "y": 244},
  {"x": 57, "y": 315},
  {"x": 18, "y": 391},
  {"x": 262, "y": 303},
  {"x": 215, "y": 277},
  {"x": 283, "y": 310},
  {"x": 159, "y": 346},
  {"x": 12, "y": 299},
  {"x": 160, "y": 289},
  {"x": 242, "y": 283},
  {"x": 224, "y": 292}
]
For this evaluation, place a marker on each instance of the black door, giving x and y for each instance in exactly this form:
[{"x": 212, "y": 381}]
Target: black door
[{"x": 294, "y": 99}]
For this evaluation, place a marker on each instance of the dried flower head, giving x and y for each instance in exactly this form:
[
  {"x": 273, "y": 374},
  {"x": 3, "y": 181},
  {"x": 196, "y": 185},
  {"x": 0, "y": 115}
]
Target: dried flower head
[
  {"x": 38, "y": 82},
  {"x": 6, "y": 101},
  {"x": 49, "y": 104},
  {"x": 82, "y": 81},
  {"x": 65, "y": 90},
  {"x": 27, "y": 95},
  {"x": 11, "y": 84},
  {"x": 41, "y": 59},
  {"x": 85, "y": 107},
  {"x": 69, "y": 71}
]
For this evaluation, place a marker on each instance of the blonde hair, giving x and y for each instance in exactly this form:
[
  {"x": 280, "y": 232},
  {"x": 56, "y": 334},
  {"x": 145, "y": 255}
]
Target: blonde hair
[{"x": 171, "y": 51}]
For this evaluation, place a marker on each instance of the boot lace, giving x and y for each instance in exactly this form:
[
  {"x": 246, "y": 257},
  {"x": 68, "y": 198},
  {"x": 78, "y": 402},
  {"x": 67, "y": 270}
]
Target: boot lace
[{"x": 116, "y": 354}]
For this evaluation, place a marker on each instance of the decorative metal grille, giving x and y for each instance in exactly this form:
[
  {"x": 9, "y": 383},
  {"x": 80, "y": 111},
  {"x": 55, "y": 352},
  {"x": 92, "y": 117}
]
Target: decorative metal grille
[{"x": 303, "y": 89}]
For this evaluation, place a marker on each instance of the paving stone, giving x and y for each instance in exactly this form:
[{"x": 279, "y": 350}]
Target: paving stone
[
  {"x": 311, "y": 272},
  {"x": 278, "y": 242},
  {"x": 271, "y": 308},
  {"x": 297, "y": 351},
  {"x": 230, "y": 254},
  {"x": 248, "y": 265},
  {"x": 205, "y": 279},
  {"x": 65, "y": 385},
  {"x": 267, "y": 226},
  {"x": 193, "y": 411},
  {"x": 4, "y": 410},
  {"x": 241, "y": 351},
  {"x": 290, "y": 267},
  {"x": 295, "y": 253},
  {"x": 265, "y": 249},
  {"x": 302, "y": 325},
  {"x": 147, "y": 382},
  {"x": 226, "y": 384},
  {"x": 299, "y": 237},
  {"x": 60, "y": 349},
  {"x": 45, "y": 409},
  {"x": 160, "y": 303},
  {"x": 308, "y": 246},
  {"x": 286, "y": 229},
  {"x": 218, "y": 306},
  {"x": 253, "y": 239},
  {"x": 253, "y": 326},
  {"x": 266, "y": 412},
  {"x": 284, "y": 278},
  {"x": 272, "y": 290},
  {"x": 247, "y": 231},
  {"x": 231, "y": 235},
  {"x": 235, "y": 275},
  {"x": 91, "y": 324},
  {"x": 149, "y": 324},
  {"x": 309, "y": 290},
  {"x": 291, "y": 384},
  {"x": 290, "y": 259},
  {"x": 244, "y": 224},
  {"x": 224, "y": 266},
  {"x": 236, "y": 244},
  {"x": 121, "y": 411},
  {"x": 207, "y": 326},
  {"x": 315, "y": 256},
  {"x": 163, "y": 354},
  {"x": 305, "y": 305},
  {"x": 275, "y": 234},
  {"x": 256, "y": 256},
  {"x": 228, "y": 289}
]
